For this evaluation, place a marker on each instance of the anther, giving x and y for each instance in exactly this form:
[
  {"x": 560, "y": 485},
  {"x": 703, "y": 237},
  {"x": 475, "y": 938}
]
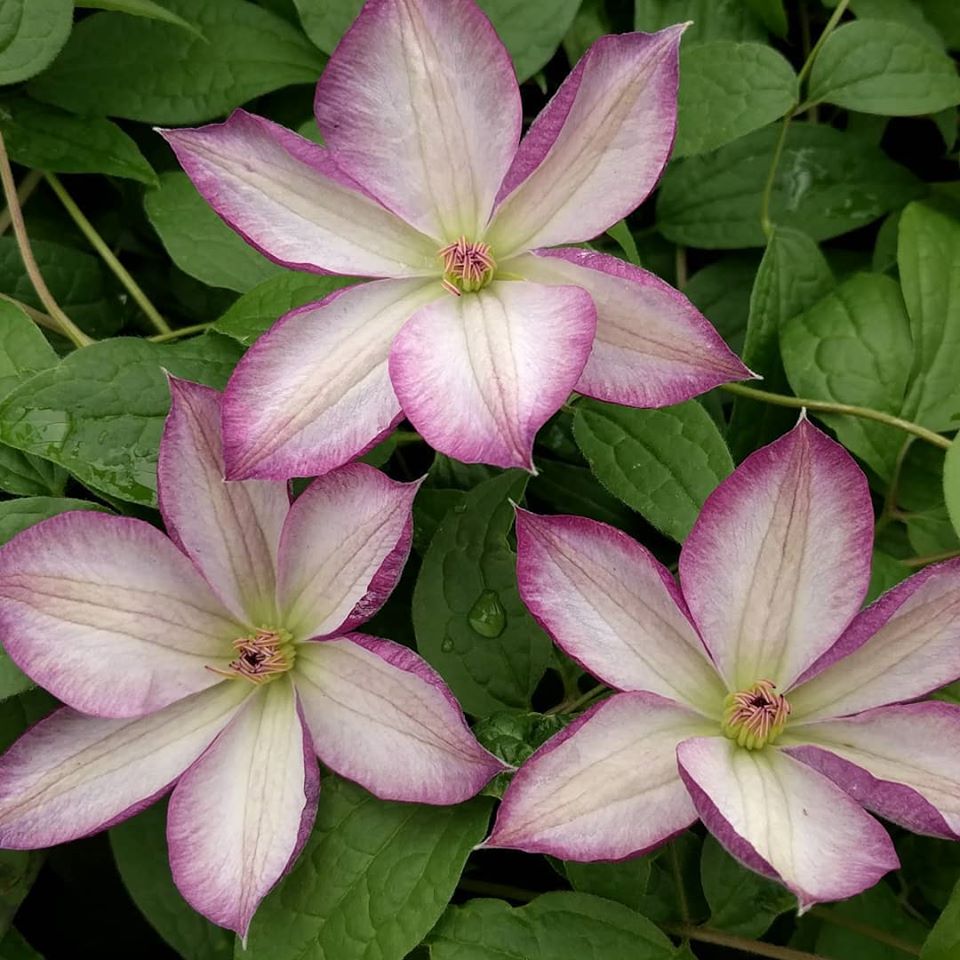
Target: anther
[
  {"x": 260, "y": 657},
  {"x": 756, "y": 716},
  {"x": 467, "y": 267}
]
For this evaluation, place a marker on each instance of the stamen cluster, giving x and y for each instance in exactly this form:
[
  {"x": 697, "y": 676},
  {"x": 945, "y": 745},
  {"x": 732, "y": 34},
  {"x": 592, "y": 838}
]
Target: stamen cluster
[
  {"x": 467, "y": 267},
  {"x": 260, "y": 657},
  {"x": 756, "y": 716}
]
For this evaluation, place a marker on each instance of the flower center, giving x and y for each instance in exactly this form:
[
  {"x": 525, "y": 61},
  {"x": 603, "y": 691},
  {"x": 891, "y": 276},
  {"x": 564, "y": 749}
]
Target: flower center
[
  {"x": 756, "y": 716},
  {"x": 467, "y": 267},
  {"x": 261, "y": 657}
]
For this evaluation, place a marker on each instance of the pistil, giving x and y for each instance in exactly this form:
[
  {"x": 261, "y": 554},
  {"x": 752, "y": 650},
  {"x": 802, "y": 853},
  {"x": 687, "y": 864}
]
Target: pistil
[
  {"x": 467, "y": 266},
  {"x": 260, "y": 657},
  {"x": 756, "y": 716}
]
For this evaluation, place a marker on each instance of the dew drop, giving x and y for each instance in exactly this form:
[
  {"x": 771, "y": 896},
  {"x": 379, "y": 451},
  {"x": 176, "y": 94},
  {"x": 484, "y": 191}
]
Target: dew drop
[
  {"x": 446, "y": 645},
  {"x": 487, "y": 616}
]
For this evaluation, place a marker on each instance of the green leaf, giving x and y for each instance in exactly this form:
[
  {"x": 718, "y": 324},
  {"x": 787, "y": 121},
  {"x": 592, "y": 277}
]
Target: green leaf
[
  {"x": 740, "y": 900},
  {"x": 625, "y": 881},
  {"x": 199, "y": 242},
  {"x": 468, "y": 616},
  {"x": 99, "y": 412},
  {"x": 555, "y": 926},
  {"x": 140, "y": 850},
  {"x": 951, "y": 482},
  {"x": 571, "y": 488},
  {"x": 621, "y": 233},
  {"x": 513, "y": 737},
  {"x": 909, "y": 13},
  {"x": 886, "y": 572},
  {"x": 48, "y": 138},
  {"x": 712, "y": 19},
  {"x": 721, "y": 292},
  {"x": 663, "y": 463},
  {"x": 371, "y": 881},
  {"x": 14, "y": 947},
  {"x": 928, "y": 255},
  {"x": 854, "y": 347},
  {"x": 772, "y": 13},
  {"x": 728, "y": 90},
  {"x": 591, "y": 22},
  {"x": 260, "y": 308},
  {"x": 121, "y": 66},
  {"x": 945, "y": 16},
  {"x": 887, "y": 68},
  {"x": 39, "y": 30},
  {"x": 792, "y": 276},
  {"x": 827, "y": 183},
  {"x": 143, "y": 8},
  {"x": 943, "y": 943}
]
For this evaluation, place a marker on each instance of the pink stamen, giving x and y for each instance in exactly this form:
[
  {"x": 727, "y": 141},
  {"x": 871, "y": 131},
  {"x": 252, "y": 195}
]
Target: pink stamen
[
  {"x": 755, "y": 716},
  {"x": 259, "y": 657},
  {"x": 466, "y": 266}
]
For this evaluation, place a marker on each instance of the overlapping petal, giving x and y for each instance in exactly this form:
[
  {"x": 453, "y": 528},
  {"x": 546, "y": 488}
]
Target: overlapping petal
[
  {"x": 241, "y": 813},
  {"x": 419, "y": 102},
  {"x": 606, "y": 787},
  {"x": 597, "y": 149},
  {"x": 71, "y": 774},
  {"x": 380, "y": 715},
  {"x": 343, "y": 547},
  {"x": 314, "y": 391},
  {"x": 479, "y": 374},
  {"x": 903, "y": 646},
  {"x": 902, "y": 762},
  {"x": 287, "y": 197},
  {"x": 109, "y": 616},
  {"x": 653, "y": 347},
  {"x": 230, "y": 530},
  {"x": 784, "y": 820},
  {"x": 614, "y": 608},
  {"x": 778, "y": 561}
]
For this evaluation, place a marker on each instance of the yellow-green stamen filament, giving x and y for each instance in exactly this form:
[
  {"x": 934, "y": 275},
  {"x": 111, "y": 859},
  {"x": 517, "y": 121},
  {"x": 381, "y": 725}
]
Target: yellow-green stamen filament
[
  {"x": 260, "y": 657},
  {"x": 756, "y": 716},
  {"x": 467, "y": 267}
]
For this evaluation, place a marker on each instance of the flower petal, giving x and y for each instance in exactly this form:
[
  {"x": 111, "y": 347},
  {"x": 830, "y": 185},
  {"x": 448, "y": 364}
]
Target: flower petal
[
  {"x": 606, "y": 787},
  {"x": 109, "y": 616},
  {"x": 420, "y": 103},
  {"x": 614, "y": 609},
  {"x": 784, "y": 820},
  {"x": 288, "y": 198},
  {"x": 380, "y": 715},
  {"x": 479, "y": 374},
  {"x": 343, "y": 548},
  {"x": 230, "y": 530},
  {"x": 597, "y": 149},
  {"x": 901, "y": 647},
  {"x": 314, "y": 392},
  {"x": 902, "y": 762},
  {"x": 778, "y": 561},
  {"x": 653, "y": 347},
  {"x": 239, "y": 815},
  {"x": 71, "y": 775}
]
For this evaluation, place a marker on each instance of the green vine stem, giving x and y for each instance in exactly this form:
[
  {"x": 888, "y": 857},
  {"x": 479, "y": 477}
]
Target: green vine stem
[
  {"x": 27, "y": 185},
  {"x": 181, "y": 332},
  {"x": 755, "y": 947},
  {"x": 931, "y": 558},
  {"x": 866, "y": 930}
]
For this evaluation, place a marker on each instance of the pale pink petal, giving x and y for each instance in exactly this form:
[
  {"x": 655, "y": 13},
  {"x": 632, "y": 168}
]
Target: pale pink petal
[
  {"x": 420, "y": 103},
  {"x": 784, "y": 820},
  {"x": 314, "y": 392},
  {"x": 287, "y": 197},
  {"x": 597, "y": 149},
  {"x": 380, "y": 715},
  {"x": 902, "y": 762},
  {"x": 653, "y": 347},
  {"x": 230, "y": 530},
  {"x": 240, "y": 814},
  {"x": 901, "y": 647},
  {"x": 614, "y": 609},
  {"x": 71, "y": 775},
  {"x": 778, "y": 561},
  {"x": 109, "y": 616},
  {"x": 479, "y": 374},
  {"x": 343, "y": 548},
  {"x": 606, "y": 787}
]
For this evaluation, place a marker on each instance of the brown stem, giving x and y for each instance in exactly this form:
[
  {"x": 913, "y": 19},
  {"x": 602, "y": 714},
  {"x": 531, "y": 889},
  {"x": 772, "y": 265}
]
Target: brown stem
[
  {"x": 756, "y": 947},
  {"x": 867, "y": 930}
]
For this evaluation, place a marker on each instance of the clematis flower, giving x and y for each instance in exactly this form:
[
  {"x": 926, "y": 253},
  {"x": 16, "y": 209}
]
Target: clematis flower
[
  {"x": 223, "y": 660},
  {"x": 478, "y": 325},
  {"x": 755, "y": 696}
]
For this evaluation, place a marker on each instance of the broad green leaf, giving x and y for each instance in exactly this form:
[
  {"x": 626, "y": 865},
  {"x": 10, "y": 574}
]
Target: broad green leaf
[
  {"x": 945, "y": 16},
  {"x": 199, "y": 242},
  {"x": 909, "y": 13},
  {"x": 740, "y": 900},
  {"x": 928, "y": 864},
  {"x": 827, "y": 183},
  {"x": 728, "y": 90},
  {"x": 792, "y": 277},
  {"x": 47, "y": 138},
  {"x": 624, "y": 238},
  {"x": 951, "y": 482},
  {"x": 371, "y": 881},
  {"x": 513, "y": 737},
  {"x": 712, "y": 19},
  {"x": 625, "y": 881},
  {"x": 772, "y": 13},
  {"x": 555, "y": 926},
  {"x": 943, "y": 943},
  {"x": 99, "y": 412},
  {"x": 469, "y": 620},
  {"x": 878, "y": 67},
  {"x": 854, "y": 347},
  {"x": 572, "y": 488},
  {"x": 721, "y": 292},
  {"x": 928, "y": 255},
  {"x": 663, "y": 463},
  {"x": 530, "y": 31},
  {"x": 140, "y": 850},
  {"x": 260, "y": 308},
  {"x": 120, "y": 66},
  {"x": 591, "y": 22},
  {"x": 35, "y": 33},
  {"x": 886, "y": 572},
  {"x": 14, "y": 947},
  {"x": 142, "y": 8},
  {"x": 920, "y": 493}
]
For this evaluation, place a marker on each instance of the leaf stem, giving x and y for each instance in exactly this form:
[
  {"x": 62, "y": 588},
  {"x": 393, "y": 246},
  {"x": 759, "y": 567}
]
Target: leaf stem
[
  {"x": 889, "y": 511},
  {"x": 756, "y": 947},
  {"x": 98, "y": 243},
  {"x": 181, "y": 332},
  {"x": 846, "y": 409},
  {"x": 574, "y": 703},
  {"x": 27, "y": 185},
  {"x": 65, "y": 325},
  {"x": 867, "y": 930},
  {"x": 838, "y": 12},
  {"x": 678, "y": 882},
  {"x": 930, "y": 558}
]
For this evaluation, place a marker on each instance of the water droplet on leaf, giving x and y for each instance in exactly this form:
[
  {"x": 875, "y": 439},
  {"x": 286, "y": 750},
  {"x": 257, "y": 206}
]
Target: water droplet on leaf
[
  {"x": 447, "y": 645},
  {"x": 487, "y": 616}
]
